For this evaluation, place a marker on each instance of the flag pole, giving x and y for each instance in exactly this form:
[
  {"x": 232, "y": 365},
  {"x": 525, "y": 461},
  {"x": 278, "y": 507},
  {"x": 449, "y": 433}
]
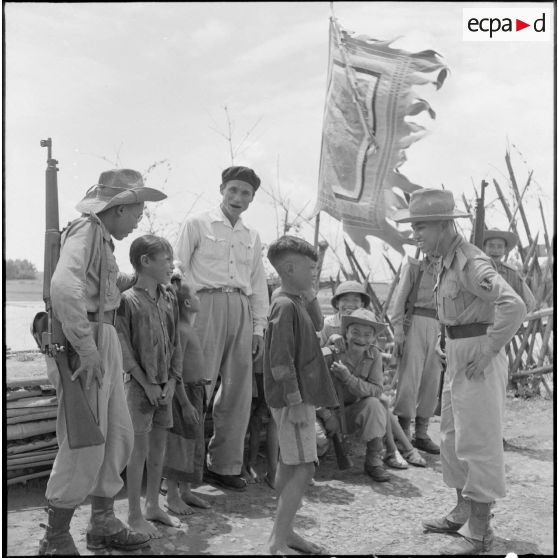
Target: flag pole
[{"x": 317, "y": 230}]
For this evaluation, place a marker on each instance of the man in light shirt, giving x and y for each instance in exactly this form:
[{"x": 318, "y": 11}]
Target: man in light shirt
[{"x": 222, "y": 257}]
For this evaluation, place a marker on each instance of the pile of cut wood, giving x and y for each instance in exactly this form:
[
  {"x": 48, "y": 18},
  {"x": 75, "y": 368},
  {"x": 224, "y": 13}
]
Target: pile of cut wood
[{"x": 30, "y": 429}]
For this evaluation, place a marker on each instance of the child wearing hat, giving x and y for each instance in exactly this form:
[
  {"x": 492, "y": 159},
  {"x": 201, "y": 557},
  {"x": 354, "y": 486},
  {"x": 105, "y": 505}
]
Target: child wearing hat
[
  {"x": 85, "y": 293},
  {"x": 296, "y": 380},
  {"x": 348, "y": 296},
  {"x": 148, "y": 330}
]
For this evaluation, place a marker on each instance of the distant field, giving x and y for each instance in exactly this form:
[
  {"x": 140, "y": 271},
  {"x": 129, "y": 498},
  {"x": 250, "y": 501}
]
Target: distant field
[{"x": 25, "y": 290}]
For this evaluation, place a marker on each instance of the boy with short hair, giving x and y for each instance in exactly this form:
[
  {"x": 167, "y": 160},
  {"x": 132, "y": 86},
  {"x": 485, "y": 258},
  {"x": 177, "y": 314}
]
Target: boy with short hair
[
  {"x": 186, "y": 445},
  {"x": 296, "y": 380},
  {"x": 112, "y": 208},
  {"x": 148, "y": 329}
]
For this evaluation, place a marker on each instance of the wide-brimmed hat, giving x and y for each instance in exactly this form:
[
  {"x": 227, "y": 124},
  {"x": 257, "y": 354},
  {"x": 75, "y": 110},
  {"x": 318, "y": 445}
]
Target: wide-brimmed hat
[
  {"x": 117, "y": 187},
  {"x": 245, "y": 174},
  {"x": 353, "y": 287},
  {"x": 511, "y": 239},
  {"x": 429, "y": 204},
  {"x": 361, "y": 316}
]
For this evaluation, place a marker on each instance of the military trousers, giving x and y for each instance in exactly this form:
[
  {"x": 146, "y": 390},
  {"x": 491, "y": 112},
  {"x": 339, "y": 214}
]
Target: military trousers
[
  {"x": 95, "y": 470},
  {"x": 471, "y": 448},
  {"x": 224, "y": 327},
  {"x": 419, "y": 371},
  {"x": 367, "y": 418}
]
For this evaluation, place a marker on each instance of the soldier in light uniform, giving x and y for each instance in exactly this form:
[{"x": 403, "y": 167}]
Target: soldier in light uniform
[
  {"x": 420, "y": 367},
  {"x": 112, "y": 208},
  {"x": 496, "y": 245},
  {"x": 481, "y": 313}
]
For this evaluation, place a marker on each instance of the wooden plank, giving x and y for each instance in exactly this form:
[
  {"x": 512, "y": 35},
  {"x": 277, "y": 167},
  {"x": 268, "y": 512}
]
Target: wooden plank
[
  {"x": 534, "y": 371},
  {"x": 24, "y": 478},
  {"x": 29, "y": 429},
  {"x": 33, "y": 402},
  {"x": 23, "y": 382},
  {"x": 35, "y": 416}
]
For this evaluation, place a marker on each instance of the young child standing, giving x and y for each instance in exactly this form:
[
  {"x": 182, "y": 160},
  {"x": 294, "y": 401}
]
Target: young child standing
[
  {"x": 296, "y": 380},
  {"x": 148, "y": 330},
  {"x": 185, "y": 447}
]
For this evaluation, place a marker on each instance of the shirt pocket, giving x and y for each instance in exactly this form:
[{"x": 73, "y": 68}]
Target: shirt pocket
[
  {"x": 246, "y": 252},
  {"x": 453, "y": 301},
  {"x": 213, "y": 248}
]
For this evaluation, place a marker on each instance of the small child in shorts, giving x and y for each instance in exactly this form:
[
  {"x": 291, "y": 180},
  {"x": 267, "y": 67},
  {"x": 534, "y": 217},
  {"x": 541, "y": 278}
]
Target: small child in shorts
[
  {"x": 296, "y": 380},
  {"x": 147, "y": 324},
  {"x": 185, "y": 447}
]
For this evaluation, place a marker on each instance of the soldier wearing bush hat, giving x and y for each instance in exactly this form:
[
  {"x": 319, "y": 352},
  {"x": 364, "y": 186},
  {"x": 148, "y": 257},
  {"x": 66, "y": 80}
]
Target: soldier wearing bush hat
[
  {"x": 222, "y": 257},
  {"x": 497, "y": 244},
  {"x": 481, "y": 313},
  {"x": 85, "y": 293}
]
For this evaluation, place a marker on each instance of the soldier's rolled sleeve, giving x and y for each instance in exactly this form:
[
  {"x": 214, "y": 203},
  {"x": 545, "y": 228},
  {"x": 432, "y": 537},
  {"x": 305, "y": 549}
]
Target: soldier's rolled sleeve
[
  {"x": 259, "y": 299},
  {"x": 282, "y": 351},
  {"x": 509, "y": 310},
  {"x": 124, "y": 281},
  {"x": 400, "y": 299},
  {"x": 68, "y": 290}
]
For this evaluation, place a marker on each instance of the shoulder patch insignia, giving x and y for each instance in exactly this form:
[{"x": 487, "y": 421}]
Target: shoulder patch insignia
[{"x": 486, "y": 284}]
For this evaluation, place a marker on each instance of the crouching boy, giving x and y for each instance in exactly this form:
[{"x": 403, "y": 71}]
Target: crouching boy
[{"x": 296, "y": 380}]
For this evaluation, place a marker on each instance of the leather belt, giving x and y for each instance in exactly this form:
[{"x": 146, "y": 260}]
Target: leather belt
[
  {"x": 109, "y": 317},
  {"x": 466, "y": 330},
  {"x": 221, "y": 290},
  {"x": 427, "y": 312}
]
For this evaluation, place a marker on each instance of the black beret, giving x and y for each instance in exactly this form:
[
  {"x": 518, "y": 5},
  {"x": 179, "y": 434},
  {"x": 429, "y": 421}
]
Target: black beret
[{"x": 241, "y": 173}]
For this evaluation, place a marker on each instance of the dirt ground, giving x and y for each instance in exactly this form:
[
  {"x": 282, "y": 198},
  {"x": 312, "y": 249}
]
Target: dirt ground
[{"x": 345, "y": 511}]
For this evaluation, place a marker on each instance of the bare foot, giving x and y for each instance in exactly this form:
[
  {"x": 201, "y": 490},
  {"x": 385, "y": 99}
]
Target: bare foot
[
  {"x": 296, "y": 542},
  {"x": 281, "y": 550},
  {"x": 195, "y": 500},
  {"x": 140, "y": 525},
  {"x": 176, "y": 504},
  {"x": 157, "y": 514}
]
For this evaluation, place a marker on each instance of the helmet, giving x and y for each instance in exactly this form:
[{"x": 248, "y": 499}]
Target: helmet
[{"x": 347, "y": 287}]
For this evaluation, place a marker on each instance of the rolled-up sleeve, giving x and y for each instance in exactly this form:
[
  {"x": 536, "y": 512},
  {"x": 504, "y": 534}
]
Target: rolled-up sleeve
[
  {"x": 281, "y": 347},
  {"x": 483, "y": 281},
  {"x": 400, "y": 297},
  {"x": 68, "y": 289},
  {"x": 259, "y": 299}
]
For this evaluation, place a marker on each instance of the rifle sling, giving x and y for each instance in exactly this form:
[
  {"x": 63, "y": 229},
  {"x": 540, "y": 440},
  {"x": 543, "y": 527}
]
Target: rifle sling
[{"x": 103, "y": 275}]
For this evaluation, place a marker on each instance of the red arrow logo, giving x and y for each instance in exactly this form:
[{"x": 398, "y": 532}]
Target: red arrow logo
[{"x": 519, "y": 25}]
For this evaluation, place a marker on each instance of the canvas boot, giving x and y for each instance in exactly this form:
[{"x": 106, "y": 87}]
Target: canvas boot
[
  {"x": 476, "y": 535},
  {"x": 105, "y": 530},
  {"x": 373, "y": 464},
  {"x": 57, "y": 540},
  {"x": 421, "y": 440},
  {"x": 454, "y": 520}
]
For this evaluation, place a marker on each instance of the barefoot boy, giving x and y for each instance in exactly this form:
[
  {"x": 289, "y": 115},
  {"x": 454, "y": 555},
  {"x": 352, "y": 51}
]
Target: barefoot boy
[
  {"x": 296, "y": 380},
  {"x": 148, "y": 330},
  {"x": 185, "y": 447}
]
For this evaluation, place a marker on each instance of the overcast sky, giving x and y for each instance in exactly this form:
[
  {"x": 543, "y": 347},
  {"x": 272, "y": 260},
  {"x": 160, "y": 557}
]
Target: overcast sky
[{"x": 137, "y": 83}]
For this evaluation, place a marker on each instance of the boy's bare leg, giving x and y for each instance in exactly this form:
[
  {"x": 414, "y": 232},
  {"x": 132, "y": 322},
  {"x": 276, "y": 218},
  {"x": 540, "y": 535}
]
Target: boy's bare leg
[
  {"x": 175, "y": 503},
  {"x": 291, "y": 482},
  {"x": 272, "y": 452},
  {"x": 155, "y": 458},
  {"x": 134, "y": 476},
  {"x": 399, "y": 434}
]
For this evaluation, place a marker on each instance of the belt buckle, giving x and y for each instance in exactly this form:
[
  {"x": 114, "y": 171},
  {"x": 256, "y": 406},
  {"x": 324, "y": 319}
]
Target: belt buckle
[{"x": 229, "y": 289}]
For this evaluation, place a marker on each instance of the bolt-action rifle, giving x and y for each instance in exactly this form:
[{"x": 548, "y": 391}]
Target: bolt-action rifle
[{"x": 81, "y": 425}]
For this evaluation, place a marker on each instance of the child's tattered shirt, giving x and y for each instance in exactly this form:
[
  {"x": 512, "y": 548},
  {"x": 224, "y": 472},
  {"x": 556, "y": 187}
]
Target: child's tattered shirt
[{"x": 294, "y": 368}]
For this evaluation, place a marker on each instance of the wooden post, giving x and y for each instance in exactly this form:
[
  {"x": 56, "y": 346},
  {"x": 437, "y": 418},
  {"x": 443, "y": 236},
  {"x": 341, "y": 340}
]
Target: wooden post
[
  {"x": 509, "y": 216},
  {"x": 517, "y": 196},
  {"x": 317, "y": 230}
]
